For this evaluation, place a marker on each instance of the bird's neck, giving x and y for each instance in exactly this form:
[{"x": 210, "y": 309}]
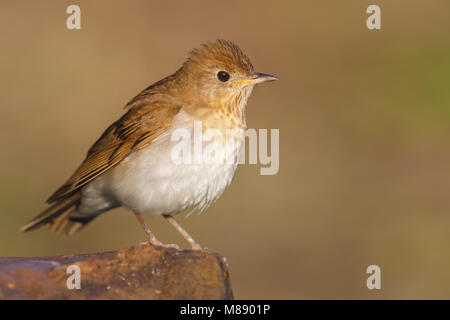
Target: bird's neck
[{"x": 222, "y": 114}]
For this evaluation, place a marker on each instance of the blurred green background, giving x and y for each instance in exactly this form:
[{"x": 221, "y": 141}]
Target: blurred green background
[{"x": 364, "y": 119}]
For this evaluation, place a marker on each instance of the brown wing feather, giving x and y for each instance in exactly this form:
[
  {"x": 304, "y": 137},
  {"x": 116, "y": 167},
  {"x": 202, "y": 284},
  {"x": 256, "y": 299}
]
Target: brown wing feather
[{"x": 142, "y": 123}]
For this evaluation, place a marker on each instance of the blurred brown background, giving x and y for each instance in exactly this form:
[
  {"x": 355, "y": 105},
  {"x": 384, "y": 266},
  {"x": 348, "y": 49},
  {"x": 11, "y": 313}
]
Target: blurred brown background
[{"x": 364, "y": 135}]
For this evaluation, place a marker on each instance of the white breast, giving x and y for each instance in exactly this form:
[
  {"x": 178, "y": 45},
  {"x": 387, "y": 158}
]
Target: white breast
[{"x": 149, "y": 181}]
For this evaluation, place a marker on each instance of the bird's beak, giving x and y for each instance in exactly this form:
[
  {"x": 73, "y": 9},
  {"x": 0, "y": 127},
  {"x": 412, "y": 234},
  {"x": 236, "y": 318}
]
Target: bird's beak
[{"x": 256, "y": 78}]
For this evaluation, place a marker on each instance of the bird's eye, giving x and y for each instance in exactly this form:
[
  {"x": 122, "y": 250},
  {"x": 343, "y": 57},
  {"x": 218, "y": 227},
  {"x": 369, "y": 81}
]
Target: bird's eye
[{"x": 223, "y": 76}]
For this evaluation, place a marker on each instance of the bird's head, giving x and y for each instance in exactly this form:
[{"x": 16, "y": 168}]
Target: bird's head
[{"x": 221, "y": 73}]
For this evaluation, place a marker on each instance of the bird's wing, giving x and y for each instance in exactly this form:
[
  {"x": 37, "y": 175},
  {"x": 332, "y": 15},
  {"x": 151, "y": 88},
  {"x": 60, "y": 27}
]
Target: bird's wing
[{"x": 136, "y": 129}]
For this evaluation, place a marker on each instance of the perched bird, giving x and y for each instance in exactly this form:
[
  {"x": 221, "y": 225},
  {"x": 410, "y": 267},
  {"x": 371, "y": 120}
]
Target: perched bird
[{"x": 132, "y": 163}]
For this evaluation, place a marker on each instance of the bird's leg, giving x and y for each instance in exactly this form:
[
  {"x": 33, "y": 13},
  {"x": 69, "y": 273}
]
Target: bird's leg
[
  {"x": 151, "y": 237},
  {"x": 186, "y": 236}
]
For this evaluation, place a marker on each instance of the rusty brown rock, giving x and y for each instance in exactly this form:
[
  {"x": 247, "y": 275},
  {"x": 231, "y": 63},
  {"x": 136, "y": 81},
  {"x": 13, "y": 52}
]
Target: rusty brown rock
[{"x": 140, "y": 272}]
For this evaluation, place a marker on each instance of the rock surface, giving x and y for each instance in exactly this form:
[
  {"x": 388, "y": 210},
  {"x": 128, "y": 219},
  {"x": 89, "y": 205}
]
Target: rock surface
[{"x": 140, "y": 272}]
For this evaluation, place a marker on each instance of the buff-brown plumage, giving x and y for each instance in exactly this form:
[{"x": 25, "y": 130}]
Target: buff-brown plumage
[
  {"x": 193, "y": 90},
  {"x": 222, "y": 53}
]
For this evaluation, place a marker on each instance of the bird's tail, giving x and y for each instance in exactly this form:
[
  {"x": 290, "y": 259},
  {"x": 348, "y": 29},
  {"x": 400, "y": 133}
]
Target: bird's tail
[{"x": 57, "y": 217}]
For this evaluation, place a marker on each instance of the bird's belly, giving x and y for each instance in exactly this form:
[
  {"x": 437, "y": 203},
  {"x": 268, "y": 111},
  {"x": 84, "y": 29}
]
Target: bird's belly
[{"x": 150, "y": 182}]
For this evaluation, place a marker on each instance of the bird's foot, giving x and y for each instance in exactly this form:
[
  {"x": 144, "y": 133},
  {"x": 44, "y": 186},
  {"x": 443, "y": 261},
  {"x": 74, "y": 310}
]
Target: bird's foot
[
  {"x": 158, "y": 243},
  {"x": 170, "y": 246},
  {"x": 196, "y": 247}
]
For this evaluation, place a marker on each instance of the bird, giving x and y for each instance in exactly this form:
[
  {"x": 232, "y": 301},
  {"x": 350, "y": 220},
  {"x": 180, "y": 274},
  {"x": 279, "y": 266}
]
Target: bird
[{"x": 132, "y": 164}]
